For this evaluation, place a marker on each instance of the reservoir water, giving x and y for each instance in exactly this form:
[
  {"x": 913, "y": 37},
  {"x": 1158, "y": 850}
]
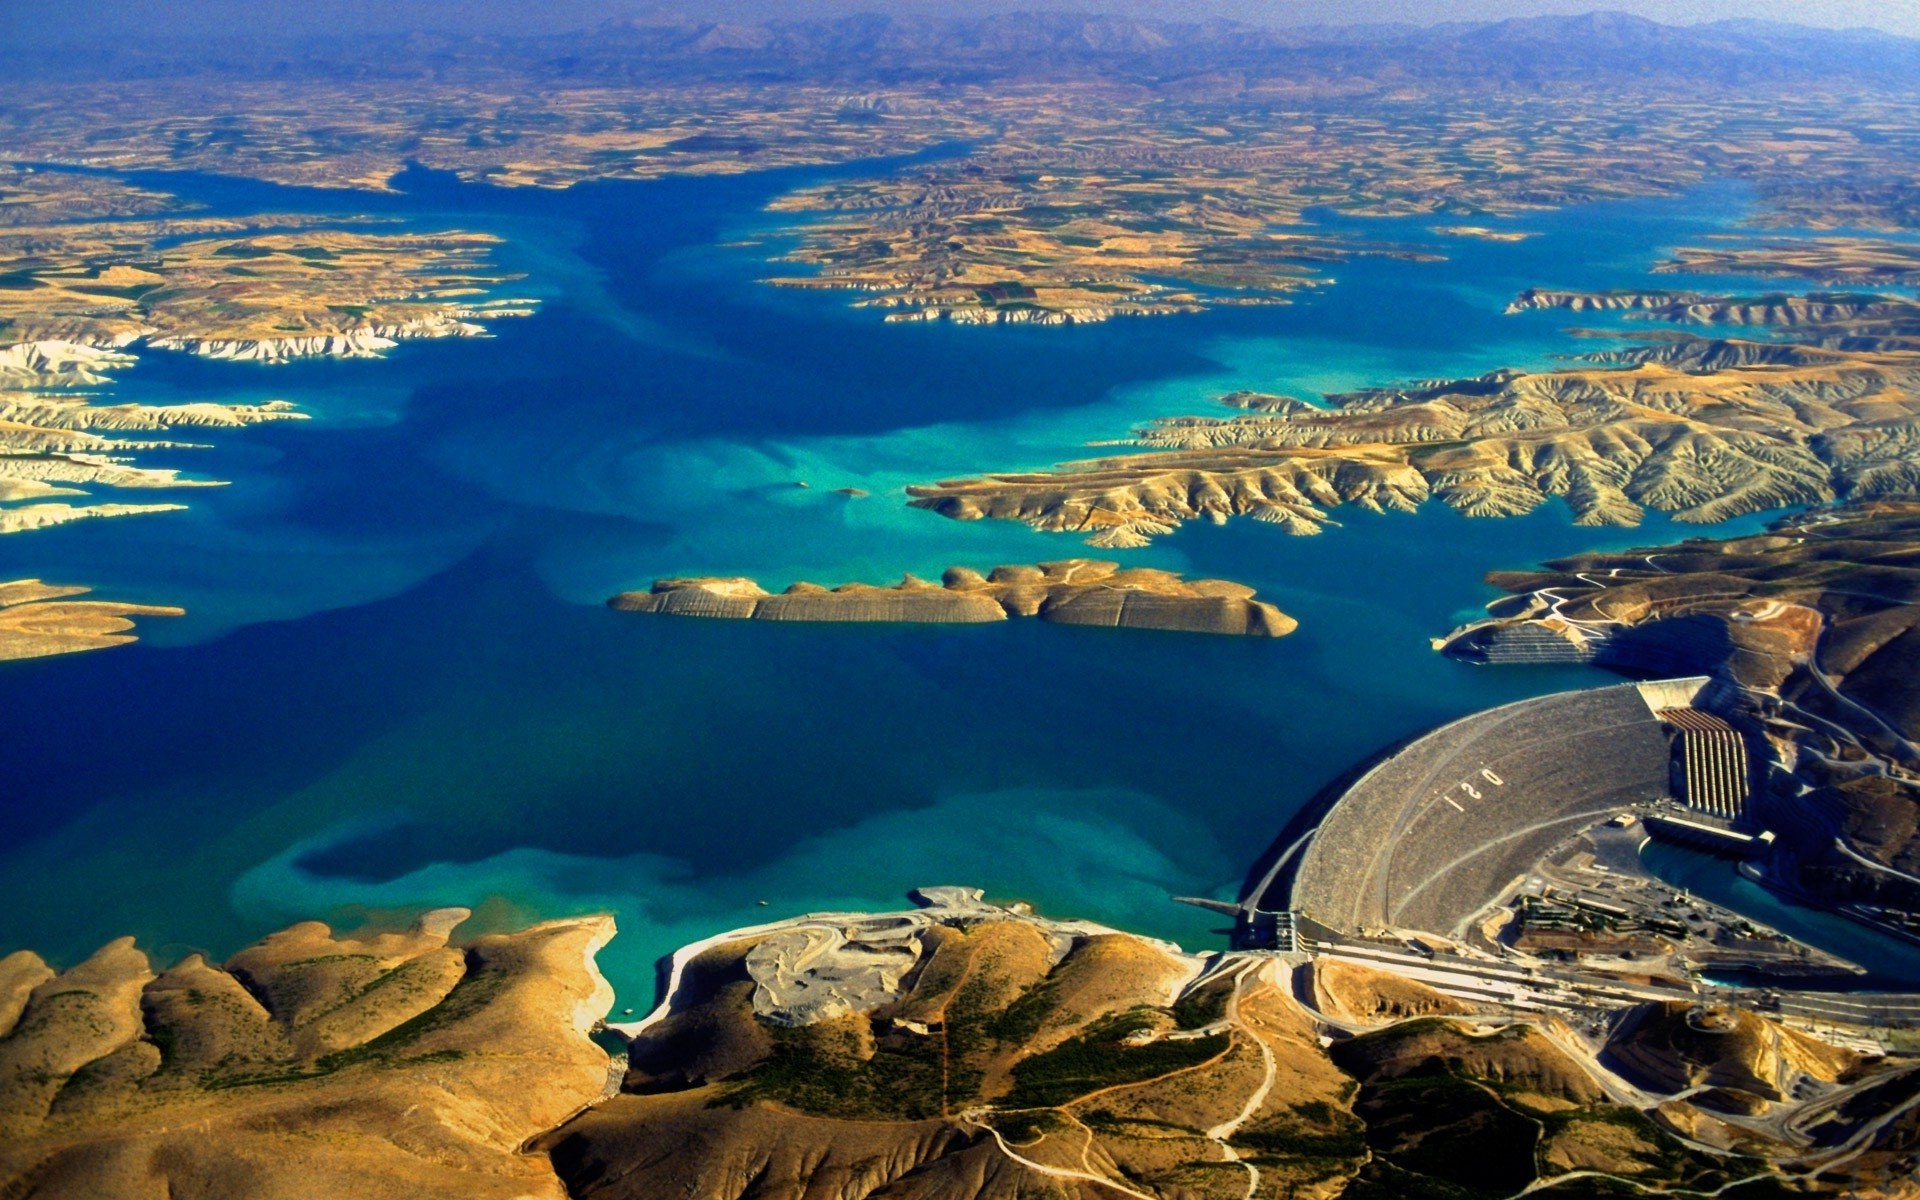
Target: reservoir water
[{"x": 397, "y": 685}]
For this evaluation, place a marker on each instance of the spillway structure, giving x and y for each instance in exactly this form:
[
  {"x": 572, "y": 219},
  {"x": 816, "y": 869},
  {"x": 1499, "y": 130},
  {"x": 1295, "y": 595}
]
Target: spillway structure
[{"x": 1711, "y": 765}]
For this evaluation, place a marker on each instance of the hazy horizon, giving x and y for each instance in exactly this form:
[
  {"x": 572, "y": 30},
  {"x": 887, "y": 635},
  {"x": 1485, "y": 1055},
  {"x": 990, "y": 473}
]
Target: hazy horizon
[{"x": 69, "y": 21}]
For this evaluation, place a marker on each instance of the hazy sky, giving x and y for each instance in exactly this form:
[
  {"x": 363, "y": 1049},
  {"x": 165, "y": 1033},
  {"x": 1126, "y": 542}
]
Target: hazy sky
[{"x": 35, "y": 19}]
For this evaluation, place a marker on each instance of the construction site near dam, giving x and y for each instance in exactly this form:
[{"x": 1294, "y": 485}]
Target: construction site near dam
[{"x": 1498, "y": 857}]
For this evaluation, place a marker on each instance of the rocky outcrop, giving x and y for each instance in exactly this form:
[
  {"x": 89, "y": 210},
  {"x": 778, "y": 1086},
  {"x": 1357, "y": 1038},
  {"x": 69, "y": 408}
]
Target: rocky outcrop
[
  {"x": 37, "y": 620},
  {"x": 309, "y": 1065},
  {"x": 1072, "y": 592},
  {"x": 1620, "y": 301},
  {"x": 815, "y": 973},
  {"x": 55, "y": 363},
  {"x": 1672, "y": 1046},
  {"x": 357, "y": 343}
]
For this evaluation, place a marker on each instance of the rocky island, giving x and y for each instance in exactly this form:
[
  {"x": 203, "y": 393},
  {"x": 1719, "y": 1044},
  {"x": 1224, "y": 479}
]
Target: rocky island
[
  {"x": 1482, "y": 233},
  {"x": 1071, "y": 592}
]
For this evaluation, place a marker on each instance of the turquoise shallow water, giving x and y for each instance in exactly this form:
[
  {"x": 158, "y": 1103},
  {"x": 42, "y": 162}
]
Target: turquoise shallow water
[{"x": 397, "y": 686}]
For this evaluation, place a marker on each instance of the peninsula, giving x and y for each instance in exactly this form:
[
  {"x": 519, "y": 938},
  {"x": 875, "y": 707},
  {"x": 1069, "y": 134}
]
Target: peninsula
[
  {"x": 80, "y": 300},
  {"x": 1071, "y": 592},
  {"x": 53, "y": 448},
  {"x": 243, "y": 287},
  {"x": 38, "y": 620},
  {"x": 1704, "y": 428}
]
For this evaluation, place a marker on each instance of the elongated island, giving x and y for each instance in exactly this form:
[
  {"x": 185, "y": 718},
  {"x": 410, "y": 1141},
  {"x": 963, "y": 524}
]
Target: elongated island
[{"x": 1075, "y": 591}]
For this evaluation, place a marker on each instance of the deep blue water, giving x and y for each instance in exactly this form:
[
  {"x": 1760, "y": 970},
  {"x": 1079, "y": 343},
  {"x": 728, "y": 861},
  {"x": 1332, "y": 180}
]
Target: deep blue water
[{"x": 397, "y": 685}]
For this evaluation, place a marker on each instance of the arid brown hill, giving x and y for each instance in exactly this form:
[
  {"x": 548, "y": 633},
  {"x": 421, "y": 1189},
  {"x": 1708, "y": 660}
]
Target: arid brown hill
[
  {"x": 969, "y": 1051},
  {"x": 1822, "y": 611},
  {"x": 307, "y": 1067},
  {"x": 963, "y": 1050},
  {"x": 1839, "y": 588}
]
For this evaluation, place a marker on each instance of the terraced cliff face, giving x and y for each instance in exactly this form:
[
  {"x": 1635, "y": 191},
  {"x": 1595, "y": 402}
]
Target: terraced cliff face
[
  {"x": 1072, "y": 592},
  {"x": 1852, "y": 315},
  {"x": 307, "y": 1066},
  {"x": 1702, "y": 428}
]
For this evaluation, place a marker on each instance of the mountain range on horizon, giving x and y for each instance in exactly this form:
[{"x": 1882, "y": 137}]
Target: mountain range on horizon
[{"x": 878, "y": 47}]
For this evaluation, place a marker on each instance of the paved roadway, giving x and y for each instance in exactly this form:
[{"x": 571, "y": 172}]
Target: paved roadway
[{"x": 1538, "y": 987}]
